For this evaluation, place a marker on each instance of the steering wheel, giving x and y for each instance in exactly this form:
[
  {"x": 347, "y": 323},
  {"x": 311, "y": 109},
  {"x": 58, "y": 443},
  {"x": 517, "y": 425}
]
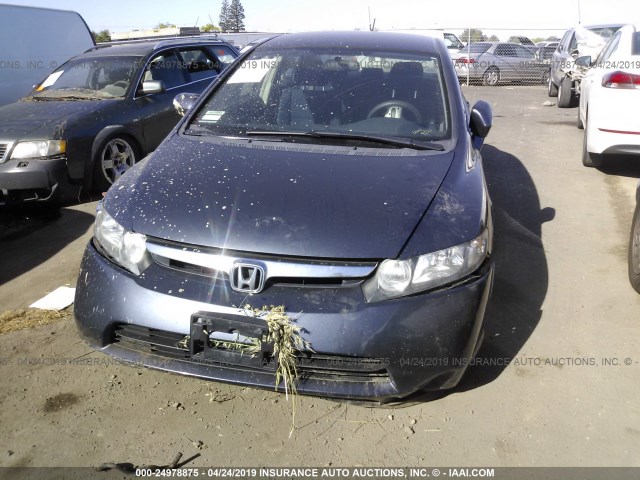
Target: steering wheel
[
  {"x": 397, "y": 103},
  {"x": 121, "y": 84}
]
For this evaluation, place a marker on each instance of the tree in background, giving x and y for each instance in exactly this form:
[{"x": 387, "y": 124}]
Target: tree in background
[
  {"x": 476, "y": 35},
  {"x": 165, "y": 25},
  {"x": 236, "y": 16},
  {"x": 493, "y": 38},
  {"x": 209, "y": 27},
  {"x": 224, "y": 16},
  {"x": 101, "y": 36}
]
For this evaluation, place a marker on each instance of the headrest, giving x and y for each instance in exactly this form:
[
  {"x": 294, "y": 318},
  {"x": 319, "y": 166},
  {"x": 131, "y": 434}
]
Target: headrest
[{"x": 406, "y": 68}]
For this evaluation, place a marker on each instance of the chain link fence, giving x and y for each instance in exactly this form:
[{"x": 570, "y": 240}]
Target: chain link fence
[{"x": 497, "y": 57}]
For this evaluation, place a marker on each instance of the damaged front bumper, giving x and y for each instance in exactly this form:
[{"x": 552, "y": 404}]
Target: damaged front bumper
[{"x": 378, "y": 351}]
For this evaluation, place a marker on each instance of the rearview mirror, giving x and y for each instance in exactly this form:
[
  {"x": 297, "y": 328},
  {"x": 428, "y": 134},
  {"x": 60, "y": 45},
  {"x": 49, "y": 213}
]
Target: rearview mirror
[
  {"x": 183, "y": 102},
  {"x": 152, "y": 86},
  {"x": 480, "y": 122}
]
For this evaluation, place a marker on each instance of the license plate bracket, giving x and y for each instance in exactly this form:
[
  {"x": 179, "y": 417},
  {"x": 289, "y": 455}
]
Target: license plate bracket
[{"x": 207, "y": 342}]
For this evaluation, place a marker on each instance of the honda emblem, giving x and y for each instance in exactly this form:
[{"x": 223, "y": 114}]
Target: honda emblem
[{"x": 247, "y": 278}]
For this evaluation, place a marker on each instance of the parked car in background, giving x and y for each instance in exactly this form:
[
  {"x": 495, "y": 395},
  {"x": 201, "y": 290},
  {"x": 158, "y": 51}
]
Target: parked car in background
[
  {"x": 354, "y": 198},
  {"x": 496, "y": 62},
  {"x": 564, "y": 78},
  {"x": 634, "y": 246},
  {"x": 610, "y": 99},
  {"x": 33, "y": 42},
  {"x": 99, "y": 113},
  {"x": 544, "y": 51},
  {"x": 450, "y": 39},
  {"x": 544, "y": 54},
  {"x": 522, "y": 40}
]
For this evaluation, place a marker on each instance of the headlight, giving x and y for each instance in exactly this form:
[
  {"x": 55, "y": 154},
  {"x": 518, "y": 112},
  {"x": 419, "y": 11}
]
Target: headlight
[
  {"x": 397, "y": 278},
  {"x": 127, "y": 249},
  {"x": 39, "y": 149}
]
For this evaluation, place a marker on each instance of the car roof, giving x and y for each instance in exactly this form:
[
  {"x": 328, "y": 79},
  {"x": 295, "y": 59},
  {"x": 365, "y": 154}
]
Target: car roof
[
  {"x": 360, "y": 39},
  {"x": 143, "y": 47}
]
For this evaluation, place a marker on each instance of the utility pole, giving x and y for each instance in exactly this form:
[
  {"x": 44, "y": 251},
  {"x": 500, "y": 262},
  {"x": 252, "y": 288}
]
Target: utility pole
[{"x": 579, "y": 14}]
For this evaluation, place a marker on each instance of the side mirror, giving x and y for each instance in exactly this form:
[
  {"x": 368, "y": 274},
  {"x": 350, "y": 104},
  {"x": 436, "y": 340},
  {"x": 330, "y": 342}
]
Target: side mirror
[
  {"x": 480, "y": 122},
  {"x": 584, "y": 61},
  {"x": 183, "y": 102},
  {"x": 152, "y": 86}
]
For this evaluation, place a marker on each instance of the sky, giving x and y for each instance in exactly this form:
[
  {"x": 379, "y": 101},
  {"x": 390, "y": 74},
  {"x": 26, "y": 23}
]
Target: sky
[{"x": 492, "y": 16}]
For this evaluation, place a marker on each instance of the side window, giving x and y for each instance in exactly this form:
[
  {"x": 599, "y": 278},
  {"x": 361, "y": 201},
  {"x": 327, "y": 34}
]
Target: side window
[
  {"x": 223, "y": 54},
  {"x": 608, "y": 49},
  {"x": 564, "y": 43},
  {"x": 501, "y": 51},
  {"x": 166, "y": 68},
  {"x": 522, "y": 52},
  {"x": 451, "y": 41},
  {"x": 573, "y": 45},
  {"x": 506, "y": 50},
  {"x": 198, "y": 63}
]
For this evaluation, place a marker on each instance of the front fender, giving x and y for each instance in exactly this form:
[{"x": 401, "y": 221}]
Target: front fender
[{"x": 102, "y": 136}]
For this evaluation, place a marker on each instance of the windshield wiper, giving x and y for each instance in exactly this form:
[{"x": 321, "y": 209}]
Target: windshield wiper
[
  {"x": 69, "y": 94},
  {"x": 382, "y": 139},
  {"x": 200, "y": 131}
]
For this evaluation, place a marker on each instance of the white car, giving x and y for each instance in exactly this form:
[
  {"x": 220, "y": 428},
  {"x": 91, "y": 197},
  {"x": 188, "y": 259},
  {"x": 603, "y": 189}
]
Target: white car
[{"x": 610, "y": 99}]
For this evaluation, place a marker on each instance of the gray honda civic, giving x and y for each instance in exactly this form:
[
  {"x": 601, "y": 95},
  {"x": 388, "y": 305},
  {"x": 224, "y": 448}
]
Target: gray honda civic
[{"x": 318, "y": 220}]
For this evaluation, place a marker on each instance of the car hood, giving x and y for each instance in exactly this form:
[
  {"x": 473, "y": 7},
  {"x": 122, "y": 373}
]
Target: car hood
[
  {"x": 31, "y": 119},
  {"x": 274, "y": 198}
]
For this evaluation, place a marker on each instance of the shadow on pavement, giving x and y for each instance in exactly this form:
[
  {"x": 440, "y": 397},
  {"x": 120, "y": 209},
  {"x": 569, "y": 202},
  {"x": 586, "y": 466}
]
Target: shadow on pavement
[
  {"x": 30, "y": 236},
  {"x": 521, "y": 273},
  {"x": 621, "y": 166}
]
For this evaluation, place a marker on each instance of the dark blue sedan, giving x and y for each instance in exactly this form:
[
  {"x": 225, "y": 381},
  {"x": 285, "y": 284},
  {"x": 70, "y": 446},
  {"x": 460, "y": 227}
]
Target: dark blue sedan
[{"x": 333, "y": 176}]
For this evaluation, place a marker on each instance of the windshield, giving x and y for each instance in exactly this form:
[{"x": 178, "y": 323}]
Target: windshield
[
  {"x": 604, "y": 32},
  {"x": 107, "y": 77},
  {"x": 338, "y": 92}
]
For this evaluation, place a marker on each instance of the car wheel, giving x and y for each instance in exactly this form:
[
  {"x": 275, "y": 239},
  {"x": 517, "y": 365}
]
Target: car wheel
[
  {"x": 491, "y": 77},
  {"x": 634, "y": 251},
  {"x": 589, "y": 159},
  {"x": 552, "y": 89},
  {"x": 115, "y": 156},
  {"x": 566, "y": 97}
]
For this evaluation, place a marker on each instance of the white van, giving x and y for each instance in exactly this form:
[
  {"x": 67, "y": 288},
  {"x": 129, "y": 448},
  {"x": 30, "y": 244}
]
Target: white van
[{"x": 33, "y": 43}]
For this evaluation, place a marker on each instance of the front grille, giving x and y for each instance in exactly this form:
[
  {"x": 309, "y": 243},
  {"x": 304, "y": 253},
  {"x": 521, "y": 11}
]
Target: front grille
[
  {"x": 313, "y": 365},
  {"x": 149, "y": 340},
  {"x": 216, "y": 264},
  {"x": 3, "y": 151}
]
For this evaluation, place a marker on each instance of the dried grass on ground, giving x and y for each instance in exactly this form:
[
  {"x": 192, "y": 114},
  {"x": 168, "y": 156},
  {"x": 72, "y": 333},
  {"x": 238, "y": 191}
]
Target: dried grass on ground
[{"x": 13, "y": 320}]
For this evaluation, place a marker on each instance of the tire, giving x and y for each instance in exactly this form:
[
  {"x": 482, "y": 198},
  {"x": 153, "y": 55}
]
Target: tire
[
  {"x": 552, "y": 89},
  {"x": 589, "y": 159},
  {"x": 124, "y": 151},
  {"x": 566, "y": 97},
  {"x": 491, "y": 77},
  {"x": 634, "y": 251}
]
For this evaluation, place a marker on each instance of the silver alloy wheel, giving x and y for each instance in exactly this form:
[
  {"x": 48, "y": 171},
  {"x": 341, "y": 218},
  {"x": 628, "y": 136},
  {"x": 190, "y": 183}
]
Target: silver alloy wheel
[
  {"x": 491, "y": 77},
  {"x": 116, "y": 158}
]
